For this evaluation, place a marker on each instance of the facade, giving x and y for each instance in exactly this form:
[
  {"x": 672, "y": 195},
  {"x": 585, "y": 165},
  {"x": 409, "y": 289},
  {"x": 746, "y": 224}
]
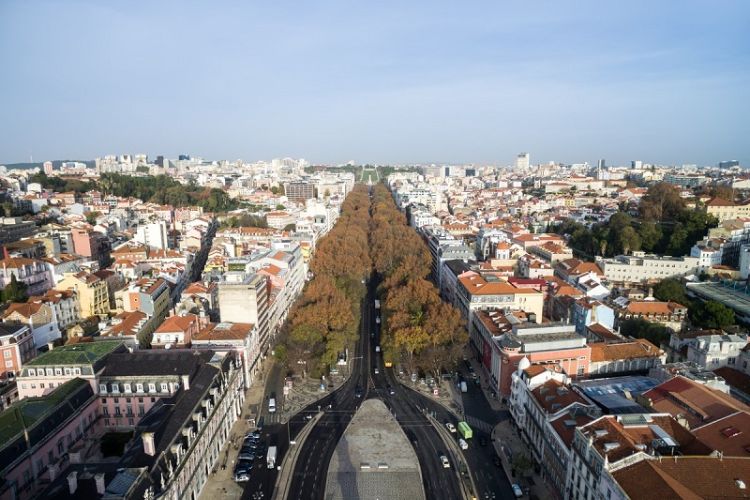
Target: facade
[
  {"x": 16, "y": 348},
  {"x": 618, "y": 358},
  {"x": 50, "y": 370},
  {"x": 153, "y": 235},
  {"x": 298, "y": 192},
  {"x": 645, "y": 268},
  {"x": 474, "y": 293},
  {"x": 241, "y": 338},
  {"x": 716, "y": 351},
  {"x": 14, "y": 229},
  {"x": 91, "y": 244},
  {"x": 40, "y": 319},
  {"x": 244, "y": 299},
  {"x": 726, "y": 210},
  {"x": 176, "y": 332},
  {"x": 65, "y": 305},
  {"x": 31, "y": 272},
  {"x": 41, "y": 435},
  {"x": 670, "y": 314},
  {"x": 91, "y": 290}
]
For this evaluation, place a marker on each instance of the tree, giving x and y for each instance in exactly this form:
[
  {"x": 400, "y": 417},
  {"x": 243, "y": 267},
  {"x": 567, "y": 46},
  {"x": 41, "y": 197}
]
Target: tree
[
  {"x": 712, "y": 314},
  {"x": 671, "y": 289},
  {"x": 650, "y": 234},
  {"x": 92, "y": 217},
  {"x": 290, "y": 227},
  {"x": 661, "y": 202},
  {"x": 15, "y": 291},
  {"x": 639, "y": 328}
]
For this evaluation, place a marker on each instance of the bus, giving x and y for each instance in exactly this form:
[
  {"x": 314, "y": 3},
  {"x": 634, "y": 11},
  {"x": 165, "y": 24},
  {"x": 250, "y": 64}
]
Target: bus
[
  {"x": 377, "y": 304},
  {"x": 465, "y": 430}
]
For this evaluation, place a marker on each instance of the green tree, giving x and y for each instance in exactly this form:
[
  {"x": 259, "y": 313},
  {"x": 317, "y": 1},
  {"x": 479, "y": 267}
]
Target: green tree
[
  {"x": 712, "y": 314},
  {"x": 671, "y": 289},
  {"x": 92, "y": 216},
  {"x": 15, "y": 291}
]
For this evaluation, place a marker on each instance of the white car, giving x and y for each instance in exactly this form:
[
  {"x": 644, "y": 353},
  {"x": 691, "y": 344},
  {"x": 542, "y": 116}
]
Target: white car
[
  {"x": 445, "y": 462},
  {"x": 377, "y": 320},
  {"x": 451, "y": 427},
  {"x": 463, "y": 444},
  {"x": 517, "y": 491},
  {"x": 377, "y": 370}
]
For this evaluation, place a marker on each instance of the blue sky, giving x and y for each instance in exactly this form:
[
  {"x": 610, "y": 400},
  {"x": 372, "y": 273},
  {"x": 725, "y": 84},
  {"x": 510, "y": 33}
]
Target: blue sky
[{"x": 664, "y": 82}]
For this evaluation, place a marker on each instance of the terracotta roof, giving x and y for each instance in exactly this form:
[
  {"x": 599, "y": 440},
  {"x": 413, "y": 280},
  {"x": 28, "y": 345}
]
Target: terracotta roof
[
  {"x": 638, "y": 348},
  {"x": 686, "y": 477},
  {"x": 578, "y": 267},
  {"x": 16, "y": 262},
  {"x": 729, "y": 435},
  {"x": 553, "y": 396},
  {"x": 198, "y": 287},
  {"x": 648, "y": 307},
  {"x": 735, "y": 378},
  {"x": 565, "y": 426},
  {"x": 602, "y": 332},
  {"x": 696, "y": 402},
  {"x": 177, "y": 323},
  {"x": 720, "y": 202},
  {"x": 476, "y": 285},
  {"x": 24, "y": 309},
  {"x": 223, "y": 331}
]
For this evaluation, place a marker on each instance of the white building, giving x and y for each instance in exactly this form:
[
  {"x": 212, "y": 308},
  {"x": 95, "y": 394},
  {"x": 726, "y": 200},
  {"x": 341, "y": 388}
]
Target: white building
[
  {"x": 641, "y": 267},
  {"x": 153, "y": 235},
  {"x": 715, "y": 351}
]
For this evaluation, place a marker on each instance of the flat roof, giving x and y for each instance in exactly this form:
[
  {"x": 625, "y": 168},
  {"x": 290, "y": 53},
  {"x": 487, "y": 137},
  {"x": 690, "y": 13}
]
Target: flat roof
[
  {"x": 82, "y": 353},
  {"x": 737, "y": 299}
]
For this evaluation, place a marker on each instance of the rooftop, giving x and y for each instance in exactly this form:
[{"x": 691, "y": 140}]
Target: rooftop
[{"x": 76, "y": 354}]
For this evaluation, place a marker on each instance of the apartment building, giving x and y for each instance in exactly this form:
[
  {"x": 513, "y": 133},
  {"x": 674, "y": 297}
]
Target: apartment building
[
  {"x": 716, "y": 351},
  {"x": 65, "y": 305},
  {"x": 618, "y": 358},
  {"x": 92, "y": 292},
  {"x": 31, "y": 272},
  {"x": 176, "y": 332},
  {"x": 243, "y": 298},
  {"x": 16, "y": 348},
  {"x": 475, "y": 292},
  {"x": 726, "y": 210},
  {"x": 670, "y": 314},
  {"x": 645, "y": 268},
  {"x": 39, "y": 317},
  {"x": 241, "y": 338}
]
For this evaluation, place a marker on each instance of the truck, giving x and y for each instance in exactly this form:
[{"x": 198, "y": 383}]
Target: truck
[
  {"x": 271, "y": 457},
  {"x": 465, "y": 430},
  {"x": 377, "y": 304}
]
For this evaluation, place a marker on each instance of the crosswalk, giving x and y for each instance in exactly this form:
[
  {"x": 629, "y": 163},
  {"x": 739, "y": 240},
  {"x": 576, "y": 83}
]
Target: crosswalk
[{"x": 478, "y": 424}]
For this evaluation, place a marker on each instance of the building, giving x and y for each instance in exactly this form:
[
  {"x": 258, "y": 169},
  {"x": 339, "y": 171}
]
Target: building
[
  {"x": 609, "y": 443},
  {"x": 547, "y": 410},
  {"x": 475, "y": 293},
  {"x": 148, "y": 295},
  {"x": 50, "y": 370},
  {"x": 16, "y": 348},
  {"x": 31, "y": 272},
  {"x": 153, "y": 235},
  {"x": 241, "y": 338},
  {"x": 65, "y": 305},
  {"x": 40, "y": 319},
  {"x": 726, "y": 210},
  {"x": 298, "y": 192},
  {"x": 41, "y": 435},
  {"x": 176, "y": 332},
  {"x": 716, "y": 351},
  {"x": 244, "y": 299},
  {"x": 15, "y": 228},
  {"x": 645, "y": 268},
  {"x": 91, "y": 244},
  {"x": 92, "y": 292},
  {"x": 618, "y": 358},
  {"x": 523, "y": 160},
  {"x": 670, "y": 314}
]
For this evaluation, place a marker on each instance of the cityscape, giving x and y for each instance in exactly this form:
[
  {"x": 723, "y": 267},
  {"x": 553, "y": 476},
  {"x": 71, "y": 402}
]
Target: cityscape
[{"x": 186, "y": 312}]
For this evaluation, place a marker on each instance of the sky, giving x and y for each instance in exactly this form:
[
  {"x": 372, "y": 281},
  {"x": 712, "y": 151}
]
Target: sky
[{"x": 665, "y": 82}]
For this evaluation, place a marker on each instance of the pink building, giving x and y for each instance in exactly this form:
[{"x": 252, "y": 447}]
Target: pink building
[
  {"x": 16, "y": 348},
  {"x": 40, "y": 437},
  {"x": 506, "y": 338}
]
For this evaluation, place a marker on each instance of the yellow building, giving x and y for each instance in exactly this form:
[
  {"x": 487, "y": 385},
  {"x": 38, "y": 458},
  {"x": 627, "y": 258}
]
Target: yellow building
[
  {"x": 92, "y": 292},
  {"x": 726, "y": 210}
]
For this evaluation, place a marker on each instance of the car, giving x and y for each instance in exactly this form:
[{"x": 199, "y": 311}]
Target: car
[
  {"x": 517, "y": 491},
  {"x": 254, "y": 435},
  {"x": 391, "y": 391},
  {"x": 445, "y": 462},
  {"x": 463, "y": 444},
  {"x": 241, "y": 477},
  {"x": 377, "y": 370},
  {"x": 377, "y": 320},
  {"x": 483, "y": 441},
  {"x": 243, "y": 465},
  {"x": 358, "y": 392},
  {"x": 451, "y": 427}
]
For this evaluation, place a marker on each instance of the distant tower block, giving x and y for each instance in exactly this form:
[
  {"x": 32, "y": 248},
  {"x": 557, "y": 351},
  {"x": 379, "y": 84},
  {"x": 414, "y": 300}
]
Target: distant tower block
[
  {"x": 48, "y": 168},
  {"x": 523, "y": 161}
]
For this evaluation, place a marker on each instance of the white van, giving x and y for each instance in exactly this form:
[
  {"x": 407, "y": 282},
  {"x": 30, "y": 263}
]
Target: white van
[{"x": 271, "y": 405}]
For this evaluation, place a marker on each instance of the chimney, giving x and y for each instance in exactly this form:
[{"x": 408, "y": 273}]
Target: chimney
[
  {"x": 99, "y": 480},
  {"x": 53, "y": 471},
  {"x": 149, "y": 448},
  {"x": 50, "y": 345},
  {"x": 73, "y": 482},
  {"x": 186, "y": 382}
]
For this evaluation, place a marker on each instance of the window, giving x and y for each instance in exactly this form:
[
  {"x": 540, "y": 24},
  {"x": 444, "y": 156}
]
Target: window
[
  {"x": 164, "y": 387},
  {"x": 104, "y": 401},
  {"x": 152, "y": 387},
  {"x": 49, "y": 371},
  {"x": 153, "y": 400},
  {"x": 117, "y": 411},
  {"x": 68, "y": 371},
  {"x": 106, "y": 422},
  {"x": 131, "y": 421},
  {"x": 60, "y": 447},
  {"x": 138, "y": 387},
  {"x": 9, "y": 364},
  {"x": 41, "y": 385},
  {"x": 76, "y": 371},
  {"x": 128, "y": 388},
  {"x": 103, "y": 388},
  {"x": 117, "y": 400},
  {"x": 141, "y": 410},
  {"x": 105, "y": 411},
  {"x": 32, "y": 372},
  {"x": 127, "y": 400},
  {"x": 58, "y": 371},
  {"x": 7, "y": 354}
]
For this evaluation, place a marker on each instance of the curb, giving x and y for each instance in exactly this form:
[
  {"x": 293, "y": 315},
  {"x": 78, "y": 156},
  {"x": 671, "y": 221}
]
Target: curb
[{"x": 290, "y": 459}]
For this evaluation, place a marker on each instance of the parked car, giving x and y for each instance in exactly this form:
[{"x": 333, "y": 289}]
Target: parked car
[
  {"x": 241, "y": 477},
  {"x": 445, "y": 462},
  {"x": 451, "y": 427},
  {"x": 246, "y": 456},
  {"x": 517, "y": 491}
]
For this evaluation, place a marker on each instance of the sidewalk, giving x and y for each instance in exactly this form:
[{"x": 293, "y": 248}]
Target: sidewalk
[
  {"x": 509, "y": 445},
  {"x": 447, "y": 396},
  {"x": 305, "y": 392},
  {"x": 220, "y": 483}
]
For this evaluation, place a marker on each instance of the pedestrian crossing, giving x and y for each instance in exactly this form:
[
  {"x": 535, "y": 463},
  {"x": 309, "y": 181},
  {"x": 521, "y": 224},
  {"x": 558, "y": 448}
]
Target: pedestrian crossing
[{"x": 478, "y": 424}]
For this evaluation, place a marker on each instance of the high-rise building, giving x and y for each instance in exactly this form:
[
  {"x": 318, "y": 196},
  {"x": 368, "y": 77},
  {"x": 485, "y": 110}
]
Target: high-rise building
[
  {"x": 602, "y": 163},
  {"x": 724, "y": 164},
  {"x": 48, "y": 168},
  {"x": 523, "y": 160},
  {"x": 636, "y": 164},
  {"x": 298, "y": 192},
  {"x": 244, "y": 299}
]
